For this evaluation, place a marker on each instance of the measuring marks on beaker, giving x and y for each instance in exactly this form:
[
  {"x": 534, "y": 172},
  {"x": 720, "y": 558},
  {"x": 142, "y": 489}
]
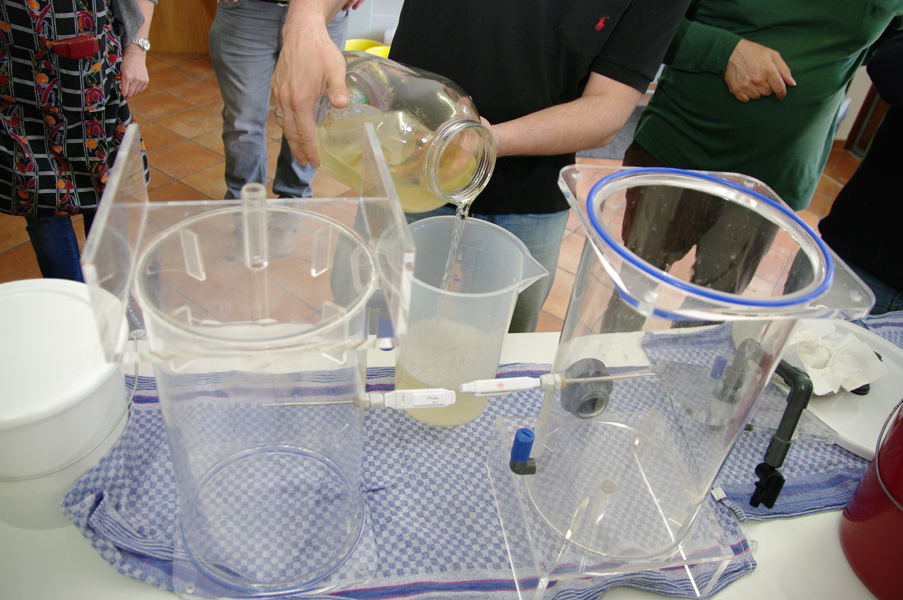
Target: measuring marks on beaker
[{"x": 461, "y": 271}]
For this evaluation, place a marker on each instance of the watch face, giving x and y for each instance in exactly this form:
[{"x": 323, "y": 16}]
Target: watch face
[{"x": 143, "y": 43}]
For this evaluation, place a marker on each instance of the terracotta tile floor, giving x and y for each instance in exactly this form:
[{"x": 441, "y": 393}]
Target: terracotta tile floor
[{"x": 179, "y": 116}]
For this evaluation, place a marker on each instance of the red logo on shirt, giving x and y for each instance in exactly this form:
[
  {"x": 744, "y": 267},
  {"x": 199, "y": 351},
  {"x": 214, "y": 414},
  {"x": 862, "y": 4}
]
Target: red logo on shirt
[{"x": 601, "y": 23}]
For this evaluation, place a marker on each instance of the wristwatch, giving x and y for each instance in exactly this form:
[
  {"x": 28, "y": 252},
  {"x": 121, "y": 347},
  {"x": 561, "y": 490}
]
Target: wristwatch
[{"x": 143, "y": 42}]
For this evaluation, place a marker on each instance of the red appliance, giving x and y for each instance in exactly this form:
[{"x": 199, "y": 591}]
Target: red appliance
[{"x": 871, "y": 529}]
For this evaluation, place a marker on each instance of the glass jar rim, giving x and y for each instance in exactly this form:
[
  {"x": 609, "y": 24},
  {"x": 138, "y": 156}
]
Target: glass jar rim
[{"x": 485, "y": 156}]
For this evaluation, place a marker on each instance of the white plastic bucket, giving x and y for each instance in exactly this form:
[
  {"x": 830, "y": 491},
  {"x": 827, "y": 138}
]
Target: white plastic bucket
[{"x": 62, "y": 406}]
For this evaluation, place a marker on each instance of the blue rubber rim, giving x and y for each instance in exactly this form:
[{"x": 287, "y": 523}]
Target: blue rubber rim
[{"x": 689, "y": 287}]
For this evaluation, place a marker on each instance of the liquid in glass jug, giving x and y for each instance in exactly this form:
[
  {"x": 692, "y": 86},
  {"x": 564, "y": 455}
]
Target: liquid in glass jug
[{"x": 435, "y": 146}]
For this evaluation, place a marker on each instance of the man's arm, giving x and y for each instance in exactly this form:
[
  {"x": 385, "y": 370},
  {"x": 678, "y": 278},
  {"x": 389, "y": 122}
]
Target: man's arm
[
  {"x": 750, "y": 70},
  {"x": 590, "y": 121},
  {"x": 309, "y": 65},
  {"x": 754, "y": 70}
]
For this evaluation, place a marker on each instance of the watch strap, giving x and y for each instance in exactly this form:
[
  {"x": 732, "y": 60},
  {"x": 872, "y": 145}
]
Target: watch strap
[{"x": 144, "y": 43}]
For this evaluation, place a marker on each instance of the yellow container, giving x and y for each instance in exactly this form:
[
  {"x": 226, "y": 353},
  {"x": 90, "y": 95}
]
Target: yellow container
[
  {"x": 379, "y": 51},
  {"x": 361, "y": 45}
]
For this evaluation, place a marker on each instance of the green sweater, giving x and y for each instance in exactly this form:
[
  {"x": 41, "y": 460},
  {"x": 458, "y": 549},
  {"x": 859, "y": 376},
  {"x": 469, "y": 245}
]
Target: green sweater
[{"x": 693, "y": 121}]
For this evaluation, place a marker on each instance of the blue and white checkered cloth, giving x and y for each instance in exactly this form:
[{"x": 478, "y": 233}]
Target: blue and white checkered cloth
[
  {"x": 429, "y": 501},
  {"x": 819, "y": 476},
  {"x": 889, "y": 326},
  {"x": 426, "y": 490}
]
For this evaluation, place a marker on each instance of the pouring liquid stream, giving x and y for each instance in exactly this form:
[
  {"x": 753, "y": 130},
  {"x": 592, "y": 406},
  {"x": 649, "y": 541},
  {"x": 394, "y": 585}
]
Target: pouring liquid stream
[{"x": 457, "y": 234}]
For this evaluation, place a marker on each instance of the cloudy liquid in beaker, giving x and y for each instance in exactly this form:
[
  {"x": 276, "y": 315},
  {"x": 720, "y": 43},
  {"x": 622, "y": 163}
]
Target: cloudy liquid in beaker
[
  {"x": 444, "y": 353},
  {"x": 403, "y": 142}
]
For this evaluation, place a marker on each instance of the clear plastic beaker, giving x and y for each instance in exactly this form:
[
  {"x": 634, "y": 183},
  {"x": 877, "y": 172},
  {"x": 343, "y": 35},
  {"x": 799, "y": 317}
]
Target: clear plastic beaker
[
  {"x": 258, "y": 357},
  {"x": 455, "y": 334},
  {"x": 690, "y": 285}
]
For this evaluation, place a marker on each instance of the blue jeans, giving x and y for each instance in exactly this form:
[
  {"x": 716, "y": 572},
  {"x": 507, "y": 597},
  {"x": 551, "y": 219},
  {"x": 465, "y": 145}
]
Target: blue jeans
[
  {"x": 56, "y": 246},
  {"x": 245, "y": 40},
  {"x": 887, "y": 299},
  {"x": 542, "y": 235}
]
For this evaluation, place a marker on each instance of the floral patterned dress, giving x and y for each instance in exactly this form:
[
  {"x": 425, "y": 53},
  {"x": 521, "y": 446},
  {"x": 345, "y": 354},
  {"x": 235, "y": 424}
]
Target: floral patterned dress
[{"x": 61, "y": 119}]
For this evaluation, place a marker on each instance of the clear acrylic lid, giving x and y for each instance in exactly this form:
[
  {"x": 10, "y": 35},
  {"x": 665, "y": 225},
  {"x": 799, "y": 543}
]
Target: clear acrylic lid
[{"x": 229, "y": 277}]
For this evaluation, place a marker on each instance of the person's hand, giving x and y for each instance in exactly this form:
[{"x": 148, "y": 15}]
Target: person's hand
[
  {"x": 133, "y": 71},
  {"x": 499, "y": 146},
  {"x": 352, "y": 4},
  {"x": 754, "y": 70},
  {"x": 309, "y": 65}
]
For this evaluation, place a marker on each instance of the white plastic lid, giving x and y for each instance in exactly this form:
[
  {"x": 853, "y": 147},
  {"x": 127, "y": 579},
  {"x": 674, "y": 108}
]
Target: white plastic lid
[{"x": 50, "y": 354}]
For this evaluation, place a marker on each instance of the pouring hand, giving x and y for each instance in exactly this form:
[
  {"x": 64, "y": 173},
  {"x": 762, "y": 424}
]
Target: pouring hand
[
  {"x": 754, "y": 70},
  {"x": 309, "y": 65}
]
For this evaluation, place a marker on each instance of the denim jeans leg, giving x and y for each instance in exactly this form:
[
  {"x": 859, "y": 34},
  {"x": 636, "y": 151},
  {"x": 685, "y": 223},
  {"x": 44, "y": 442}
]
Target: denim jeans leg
[
  {"x": 244, "y": 45},
  {"x": 245, "y": 40},
  {"x": 887, "y": 299},
  {"x": 542, "y": 235},
  {"x": 55, "y": 247}
]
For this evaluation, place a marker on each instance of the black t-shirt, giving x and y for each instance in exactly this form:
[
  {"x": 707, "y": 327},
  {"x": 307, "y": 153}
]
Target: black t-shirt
[
  {"x": 864, "y": 224},
  {"x": 515, "y": 57}
]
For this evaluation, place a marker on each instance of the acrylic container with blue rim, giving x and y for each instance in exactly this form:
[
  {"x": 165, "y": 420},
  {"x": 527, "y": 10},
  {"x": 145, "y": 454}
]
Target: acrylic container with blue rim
[{"x": 690, "y": 284}]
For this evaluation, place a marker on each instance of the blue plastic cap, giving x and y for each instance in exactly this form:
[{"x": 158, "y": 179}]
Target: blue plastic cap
[
  {"x": 718, "y": 367},
  {"x": 523, "y": 444}
]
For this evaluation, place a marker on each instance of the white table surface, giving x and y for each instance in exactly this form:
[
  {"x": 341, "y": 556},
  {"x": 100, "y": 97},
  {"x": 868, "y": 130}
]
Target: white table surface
[{"x": 797, "y": 558}]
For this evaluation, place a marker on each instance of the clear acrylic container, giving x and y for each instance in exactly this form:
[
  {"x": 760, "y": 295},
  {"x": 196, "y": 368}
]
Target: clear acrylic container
[
  {"x": 257, "y": 317},
  {"x": 428, "y": 128},
  {"x": 623, "y": 466},
  {"x": 456, "y": 331}
]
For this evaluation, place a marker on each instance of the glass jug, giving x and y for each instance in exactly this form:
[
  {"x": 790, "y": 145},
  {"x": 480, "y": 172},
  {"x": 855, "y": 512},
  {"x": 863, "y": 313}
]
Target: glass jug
[
  {"x": 430, "y": 133},
  {"x": 687, "y": 290},
  {"x": 258, "y": 358}
]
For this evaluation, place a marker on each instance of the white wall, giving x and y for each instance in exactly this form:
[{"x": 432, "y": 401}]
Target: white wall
[
  {"x": 373, "y": 18},
  {"x": 857, "y": 91}
]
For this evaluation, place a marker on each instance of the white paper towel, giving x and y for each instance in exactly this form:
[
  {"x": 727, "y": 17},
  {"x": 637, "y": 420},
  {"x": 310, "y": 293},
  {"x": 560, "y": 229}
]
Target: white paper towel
[{"x": 833, "y": 360}]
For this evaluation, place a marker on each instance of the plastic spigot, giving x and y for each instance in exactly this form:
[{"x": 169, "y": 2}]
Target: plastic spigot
[
  {"x": 768, "y": 487},
  {"x": 771, "y": 482},
  {"x": 521, "y": 463}
]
